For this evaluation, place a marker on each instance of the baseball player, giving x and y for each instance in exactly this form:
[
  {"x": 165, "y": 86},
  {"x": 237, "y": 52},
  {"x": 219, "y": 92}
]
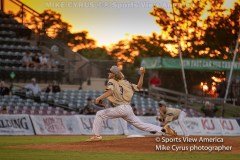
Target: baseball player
[
  {"x": 168, "y": 115},
  {"x": 119, "y": 92}
]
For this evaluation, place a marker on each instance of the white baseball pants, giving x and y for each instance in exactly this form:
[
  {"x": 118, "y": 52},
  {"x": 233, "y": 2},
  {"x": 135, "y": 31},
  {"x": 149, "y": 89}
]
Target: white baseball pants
[
  {"x": 181, "y": 118},
  {"x": 125, "y": 112}
]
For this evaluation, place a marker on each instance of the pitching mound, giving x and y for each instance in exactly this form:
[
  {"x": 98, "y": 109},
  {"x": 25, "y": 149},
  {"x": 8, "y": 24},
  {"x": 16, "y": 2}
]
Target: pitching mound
[{"x": 144, "y": 145}]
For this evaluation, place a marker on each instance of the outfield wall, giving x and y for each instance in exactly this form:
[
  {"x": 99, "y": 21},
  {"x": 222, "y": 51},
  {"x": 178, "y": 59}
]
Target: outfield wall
[{"x": 82, "y": 125}]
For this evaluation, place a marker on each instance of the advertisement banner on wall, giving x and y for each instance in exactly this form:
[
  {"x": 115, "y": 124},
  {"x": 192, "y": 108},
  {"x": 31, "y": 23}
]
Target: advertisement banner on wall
[
  {"x": 190, "y": 64},
  {"x": 146, "y": 119},
  {"x": 211, "y": 126},
  {"x": 230, "y": 127},
  {"x": 238, "y": 121},
  {"x": 16, "y": 125},
  {"x": 56, "y": 125},
  {"x": 110, "y": 126},
  {"x": 176, "y": 127},
  {"x": 193, "y": 126}
]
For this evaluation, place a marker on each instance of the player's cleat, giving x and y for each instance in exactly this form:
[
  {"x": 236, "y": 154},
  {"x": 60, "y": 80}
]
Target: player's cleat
[{"x": 95, "y": 138}]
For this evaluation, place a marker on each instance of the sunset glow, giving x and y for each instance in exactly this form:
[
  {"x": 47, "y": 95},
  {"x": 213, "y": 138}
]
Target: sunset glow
[
  {"x": 110, "y": 21},
  {"x": 106, "y": 25}
]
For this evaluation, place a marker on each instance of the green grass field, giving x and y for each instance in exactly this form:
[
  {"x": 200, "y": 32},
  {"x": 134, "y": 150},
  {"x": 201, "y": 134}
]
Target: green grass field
[{"x": 31, "y": 154}]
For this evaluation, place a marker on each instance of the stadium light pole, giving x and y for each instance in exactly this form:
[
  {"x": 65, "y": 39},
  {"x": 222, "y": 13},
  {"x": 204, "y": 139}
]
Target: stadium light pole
[
  {"x": 231, "y": 71},
  {"x": 180, "y": 52}
]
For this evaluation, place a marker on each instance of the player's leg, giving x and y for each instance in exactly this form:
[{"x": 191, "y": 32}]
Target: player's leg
[
  {"x": 124, "y": 126},
  {"x": 108, "y": 113},
  {"x": 135, "y": 121},
  {"x": 181, "y": 118}
]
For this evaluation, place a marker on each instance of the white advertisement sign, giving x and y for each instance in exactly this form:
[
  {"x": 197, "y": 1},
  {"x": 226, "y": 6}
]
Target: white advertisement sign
[
  {"x": 146, "y": 119},
  {"x": 193, "y": 126},
  {"x": 83, "y": 124},
  {"x": 211, "y": 126},
  {"x": 56, "y": 125},
  {"x": 16, "y": 125},
  {"x": 229, "y": 127},
  {"x": 109, "y": 126},
  {"x": 176, "y": 127}
]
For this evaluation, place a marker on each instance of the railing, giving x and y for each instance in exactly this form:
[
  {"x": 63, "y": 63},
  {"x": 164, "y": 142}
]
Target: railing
[
  {"x": 23, "y": 14},
  {"x": 187, "y": 99},
  {"x": 179, "y": 97}
]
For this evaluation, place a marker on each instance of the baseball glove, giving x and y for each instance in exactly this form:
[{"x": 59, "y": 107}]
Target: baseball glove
[{"x": 169, "y": 131}]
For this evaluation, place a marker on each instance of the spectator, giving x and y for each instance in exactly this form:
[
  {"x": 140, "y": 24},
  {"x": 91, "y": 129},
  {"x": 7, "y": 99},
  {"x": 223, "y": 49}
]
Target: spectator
[
  {"x": 55, "y": 49},
  {"x": 233, "y": 92},
  {"x": 55, "y": 87},
  {"x": 33, "y": 86},
  {"x": 209, "y": 109},
  {"x": 48, "y": 88},
  {"x": 27, "y": 60},
  {"x": 155, "y": 81},
  {"x": 4, "y": 90},
  {"x": 89, "y": 108},
  {"x": 51, "y": 62},
  {"x": 43, "y": 60},
  {"x": 4, "y": 111},
  {"x": 36, "y": 60},
  {"x": 221, "y": 89}
]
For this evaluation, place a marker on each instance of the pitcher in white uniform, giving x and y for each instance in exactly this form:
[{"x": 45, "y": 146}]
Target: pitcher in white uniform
[{"x": 119, "y": 92}]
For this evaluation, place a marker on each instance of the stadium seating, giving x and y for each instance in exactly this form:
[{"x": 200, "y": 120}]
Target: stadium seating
[
  {"x": 17, "y": 105},
  {"x": 14, "y": 43},
  {"x": 77, "y": 99}
]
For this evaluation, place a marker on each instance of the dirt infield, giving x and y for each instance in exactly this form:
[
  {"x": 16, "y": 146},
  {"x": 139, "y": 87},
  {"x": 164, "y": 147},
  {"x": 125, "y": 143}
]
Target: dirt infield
[{"x": 143, "y": 145}]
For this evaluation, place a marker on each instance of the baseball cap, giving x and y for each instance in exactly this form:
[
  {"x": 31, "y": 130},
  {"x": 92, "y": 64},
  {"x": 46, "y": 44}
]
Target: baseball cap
[
  {"x": 162, "y": 103},
  {"x": 115, "y": 70},
  {"x": 207, "y": 103}
]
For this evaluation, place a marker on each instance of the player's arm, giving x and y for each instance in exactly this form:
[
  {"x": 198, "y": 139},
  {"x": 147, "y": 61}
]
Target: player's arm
[
  {"x": 106, "y": 94},
  {"x": 140, "y": 81},
  {"x": 167, "y": 120}
]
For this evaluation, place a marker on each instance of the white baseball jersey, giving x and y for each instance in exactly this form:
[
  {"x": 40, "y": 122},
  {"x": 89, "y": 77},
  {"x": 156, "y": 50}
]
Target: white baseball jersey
[
  {"x": 170, "y": 115},
  {"x": 122, "y": 91}
]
